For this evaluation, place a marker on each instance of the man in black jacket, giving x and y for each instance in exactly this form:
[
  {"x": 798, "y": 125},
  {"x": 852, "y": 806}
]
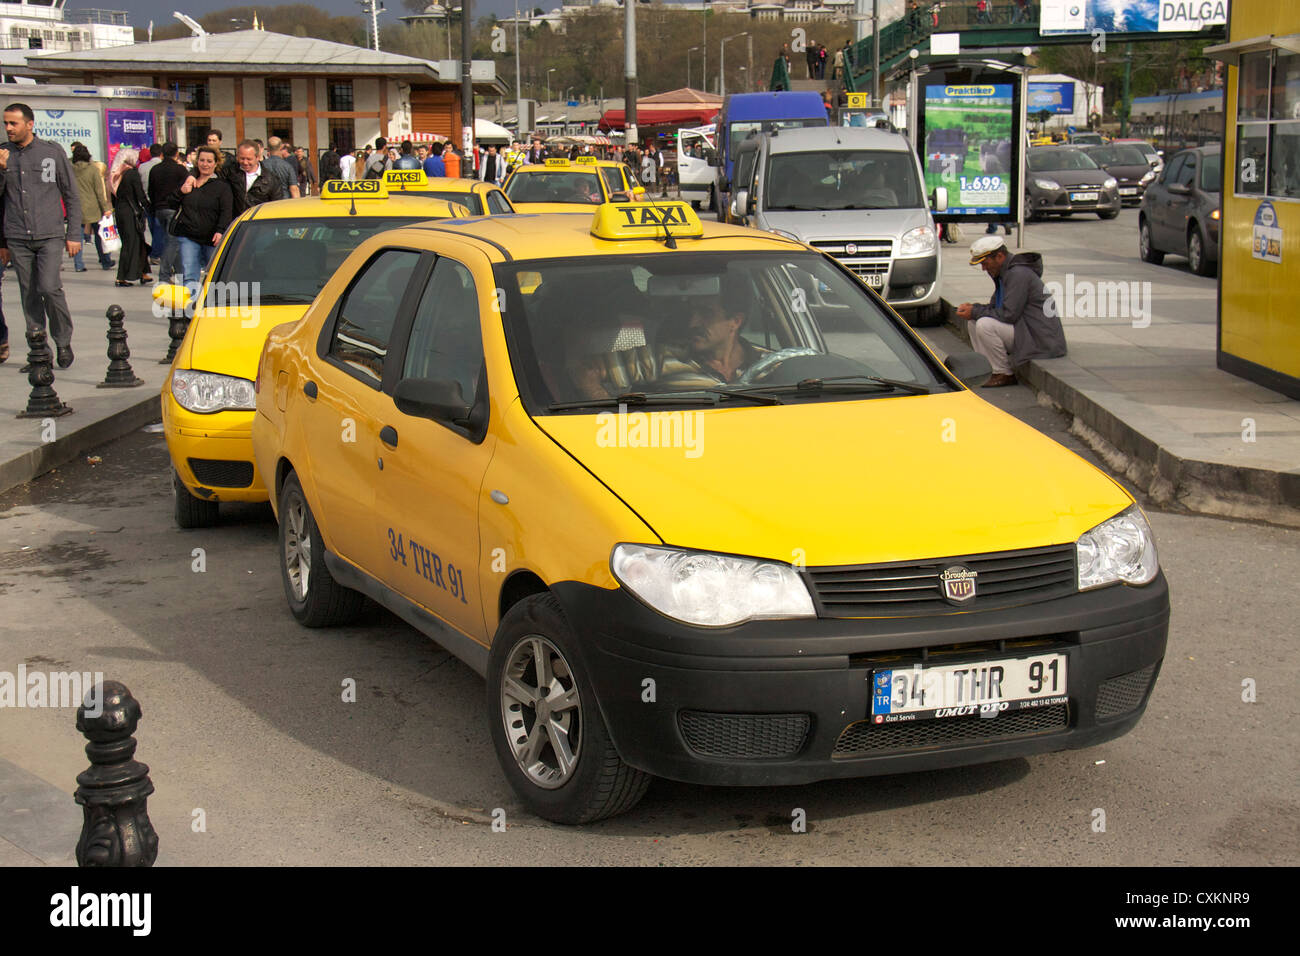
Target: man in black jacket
[
  {"x": 329, "y": 165},
  {"x": 164, "y": 196},
  {"x": 251, "y": 182}
]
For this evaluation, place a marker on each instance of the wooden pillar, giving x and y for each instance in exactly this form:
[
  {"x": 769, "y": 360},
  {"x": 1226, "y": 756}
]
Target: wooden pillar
[
  {"x": 312, "y": 139},
  {"x": 239, "y": 109},
  {"x": 383, "y": 107}
]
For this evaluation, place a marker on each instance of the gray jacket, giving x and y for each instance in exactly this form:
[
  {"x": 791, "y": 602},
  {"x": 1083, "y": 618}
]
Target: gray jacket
[
  {"x": 37, "y": 177},
  {"x": 1027, "y": 305}
]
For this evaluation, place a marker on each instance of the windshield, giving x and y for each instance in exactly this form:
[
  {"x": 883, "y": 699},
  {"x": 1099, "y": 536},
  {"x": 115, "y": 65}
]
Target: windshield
[
  {"x": 842, "y": 179},
  {"x": 1118, "y": 156},
  {"x": 470, "y": 200},
  {"x": 1211, "y": 172},
  {"x": 292, "y": 259},
  {"x": 1051, "y": 159},
  {"x": 1087, "y": 139},
  {"x": 565, "y": 185},
  {"x": 673, "y": 327},
  {"x": 740, "y": 130}
]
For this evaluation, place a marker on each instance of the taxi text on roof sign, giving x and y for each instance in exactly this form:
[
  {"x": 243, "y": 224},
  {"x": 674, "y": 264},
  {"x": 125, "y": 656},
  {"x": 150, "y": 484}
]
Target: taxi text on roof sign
[
  {"x": 645, "y": 220},
  {"x": 556, "y": 161},
  {"x": 353, "y": 189},
  {"x": 402, "y": 178}
]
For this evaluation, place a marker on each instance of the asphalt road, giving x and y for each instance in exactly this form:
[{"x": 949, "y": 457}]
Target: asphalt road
[{"x": 244, "y": 719}]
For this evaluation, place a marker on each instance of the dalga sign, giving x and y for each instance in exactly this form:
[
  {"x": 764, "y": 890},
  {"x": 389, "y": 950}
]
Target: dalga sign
[{"x": 1131, "y": 16}]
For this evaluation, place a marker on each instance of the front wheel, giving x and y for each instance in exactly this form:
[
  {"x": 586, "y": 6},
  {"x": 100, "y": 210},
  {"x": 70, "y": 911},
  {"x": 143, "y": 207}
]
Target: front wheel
[
  {"x": 1196, "y": 257},
  {"x": 315, "y": 598},
  {"x": 546, "y": 725},
  {"x": 1148, "y": 252},
  {"x": 189, "y": 511}
]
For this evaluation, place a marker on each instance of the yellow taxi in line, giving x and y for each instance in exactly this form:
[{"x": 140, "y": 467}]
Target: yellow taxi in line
[
  {"x": 731, "y": 523},
  {"x": 558, "y": 185},
  {"x": 272, "y": 261},
  {"x": 480, "y": 198}
]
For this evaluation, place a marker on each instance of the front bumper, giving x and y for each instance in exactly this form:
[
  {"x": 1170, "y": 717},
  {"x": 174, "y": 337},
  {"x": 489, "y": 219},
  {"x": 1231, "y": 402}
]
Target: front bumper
[
  {"x": 788, "y": 702},
  {"x": 213, "y": 454},
  {"x": 1042, "y": 201}
]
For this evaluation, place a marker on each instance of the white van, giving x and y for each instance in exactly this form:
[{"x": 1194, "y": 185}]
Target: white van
[{"x": 695, "y": 147}]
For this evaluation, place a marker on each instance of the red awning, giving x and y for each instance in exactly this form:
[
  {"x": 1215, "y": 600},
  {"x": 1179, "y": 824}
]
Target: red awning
[{"x": 613, "y": 119}]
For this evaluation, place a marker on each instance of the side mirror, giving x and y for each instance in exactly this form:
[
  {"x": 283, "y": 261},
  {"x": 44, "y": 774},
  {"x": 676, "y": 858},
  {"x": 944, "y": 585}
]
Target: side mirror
[
  {"x": 740, "y": 203},
  {"x": 969, "y": 368},
  {"x": 712, "y": 156},
  {"x": 1180, "y": 189},
  {"x": 431, "y": 398},
  {"x": 1160, "y": 153},
  {"x": 619, "y": 197},
  {"x": 939, "y": 199}
]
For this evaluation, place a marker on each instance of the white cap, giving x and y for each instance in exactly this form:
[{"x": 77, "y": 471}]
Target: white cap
[{"x": 983, "y": 247}]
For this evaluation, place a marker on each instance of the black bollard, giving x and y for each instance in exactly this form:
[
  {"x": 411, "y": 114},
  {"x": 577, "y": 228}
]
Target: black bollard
[
  {"x": 114, "y": 790},
  {"x": 120, "y": 374},
  {"x": 177, "y": 325},
  {"x": 43, "y": 402}
]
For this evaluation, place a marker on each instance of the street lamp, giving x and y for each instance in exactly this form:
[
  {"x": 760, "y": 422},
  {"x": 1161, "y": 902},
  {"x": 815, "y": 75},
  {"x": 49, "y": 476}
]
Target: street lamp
[
  {"x": 722, "y": 61},
  {"x": 548, "y": 83},
  {"x": 704, "y": 48},
  {"x": 688, "y": 66}
]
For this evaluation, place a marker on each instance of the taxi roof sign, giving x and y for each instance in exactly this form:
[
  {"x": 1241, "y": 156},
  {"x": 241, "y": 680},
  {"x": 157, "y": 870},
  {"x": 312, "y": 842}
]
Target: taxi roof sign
[
  {"x": 556, "y": 161},
  {"x": 586, "y": 160},
  {"x": 645, "y": 220},
  {"x": 405, "y": 179},
  {"x": 353, "y": 189}
]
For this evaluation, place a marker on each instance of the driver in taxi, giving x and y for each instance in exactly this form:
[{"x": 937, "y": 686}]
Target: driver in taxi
[{"x": 714, "y": 353}]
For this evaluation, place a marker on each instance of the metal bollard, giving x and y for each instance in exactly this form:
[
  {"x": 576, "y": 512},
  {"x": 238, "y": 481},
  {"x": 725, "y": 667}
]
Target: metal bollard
[
  {"x": 43, "y": 402},
  {"x": 177, "y": 324},
  {"x": 119, "y": 374},
  {"x": 114, "y": 790}
]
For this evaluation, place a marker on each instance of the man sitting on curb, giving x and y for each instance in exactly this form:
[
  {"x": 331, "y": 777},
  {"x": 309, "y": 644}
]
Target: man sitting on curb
[{"x": 1021, "y": 322}]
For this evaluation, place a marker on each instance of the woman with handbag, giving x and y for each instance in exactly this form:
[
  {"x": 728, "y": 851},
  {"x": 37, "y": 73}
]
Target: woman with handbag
[
  {"x": 207, "y": 206},
  {"x": 128, "y": 210},
  {"x": 94, "y": 204}
]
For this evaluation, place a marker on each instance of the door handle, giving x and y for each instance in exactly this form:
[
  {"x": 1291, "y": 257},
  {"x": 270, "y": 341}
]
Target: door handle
[
  {"x": 388, "y": 435},
  {"x": 309, "y": 389}
]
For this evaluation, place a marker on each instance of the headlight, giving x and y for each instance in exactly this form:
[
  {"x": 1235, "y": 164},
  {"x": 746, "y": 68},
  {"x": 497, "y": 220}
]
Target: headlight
[
  {"x": 1049, "y": 184},
  {"x": 920, "y": 241},
  {"x": 710, "y": 590},
  {"x": 210, "y": 392},
  {"x": 1148, "y": 177},
  {"x": 1121, "y": 549},
  {"x": 1110, "y": 183},
  {"x": 788, "y": 235}
]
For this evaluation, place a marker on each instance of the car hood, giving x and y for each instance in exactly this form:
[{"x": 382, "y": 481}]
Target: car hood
[
  {"x": 230, "y": 341},
  {"x": 1132, "y": 172},
  {"x": 849, "y": 482},
  {"x": 1073, "y": 177},
  {"x": 810, "y": 225}
]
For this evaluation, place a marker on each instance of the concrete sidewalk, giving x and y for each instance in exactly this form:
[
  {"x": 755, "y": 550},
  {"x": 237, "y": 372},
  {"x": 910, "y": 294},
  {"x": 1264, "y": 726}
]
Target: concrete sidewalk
[
  {"x": 1141, "y": 381},
  {"x": 32, "y": 446}
]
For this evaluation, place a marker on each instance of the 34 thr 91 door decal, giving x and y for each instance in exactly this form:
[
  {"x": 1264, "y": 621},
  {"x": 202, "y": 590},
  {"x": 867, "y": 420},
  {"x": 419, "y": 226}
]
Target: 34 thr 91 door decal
[{"x": 427, "y": 564}]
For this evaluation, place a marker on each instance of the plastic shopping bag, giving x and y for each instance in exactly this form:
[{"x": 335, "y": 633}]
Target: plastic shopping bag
[{"x": 108, "y": 237}]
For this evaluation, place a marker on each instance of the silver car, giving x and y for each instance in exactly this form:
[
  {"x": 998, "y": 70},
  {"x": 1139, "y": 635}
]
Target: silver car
[{"x": 856, "y": 194}]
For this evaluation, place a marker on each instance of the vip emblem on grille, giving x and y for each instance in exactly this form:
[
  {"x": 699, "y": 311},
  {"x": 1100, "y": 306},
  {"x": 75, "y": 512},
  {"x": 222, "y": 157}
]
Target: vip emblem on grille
[
  {"x": 851, "y": 249},
  {"x": 958, "y": 584}
]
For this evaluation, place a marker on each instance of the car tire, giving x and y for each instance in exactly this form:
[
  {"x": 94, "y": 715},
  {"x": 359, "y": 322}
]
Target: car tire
[
  {"x": 189, "y": 511},
  {"x": 713, "y": 200},
  {"x": 1196, "y": 258},
  {"x": 315, "y": 598},
  {"x": 596, "y": 783},
  {"x": 1104, "y": 214},
  {"x": 1148, "y": 252}
]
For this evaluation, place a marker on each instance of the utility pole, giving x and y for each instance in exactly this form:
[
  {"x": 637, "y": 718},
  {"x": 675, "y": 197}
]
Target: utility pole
[
  {"x": 466, "y": 82},
  {"x": 875, "y": 54},
  {"x": 1126, "y": 105},
  {"x": 722, "y": 61},
  {"x": 629, "y": 72},
  {"x": 519, "y": 95},
  {"x": 704, "y": 47}
]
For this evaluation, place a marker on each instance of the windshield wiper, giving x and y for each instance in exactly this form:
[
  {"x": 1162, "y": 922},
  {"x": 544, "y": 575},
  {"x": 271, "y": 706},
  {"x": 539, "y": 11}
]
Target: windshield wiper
[
  {"x": 633, "y": 398},
  {"x": 754, "y": 396},
  {"x": 280, "y": 298},
  {"x": 841, "y": 383}
]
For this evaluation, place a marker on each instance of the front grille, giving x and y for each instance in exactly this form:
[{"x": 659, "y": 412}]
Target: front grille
[
  {"x": 906, "y": 588},
  {"x": 744, "y": 735},
  {"x": 1119, "y": 695},
  {"x": 869, "y": 257},
  {"x": 222, "y": 474},
  {"x": 864, "y": 737}
]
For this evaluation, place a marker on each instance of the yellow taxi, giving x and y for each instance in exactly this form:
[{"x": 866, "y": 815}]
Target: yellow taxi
[
  {"x": 272, "y": 261},
  {"x": 480, "y": 198},
  {"x": 561, "y": 185},
  {"x": 698, "y": 505}
]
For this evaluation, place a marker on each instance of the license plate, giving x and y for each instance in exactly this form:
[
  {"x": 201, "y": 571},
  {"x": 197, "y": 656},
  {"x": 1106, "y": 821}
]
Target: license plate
[
  {"x": 1129, "y": 191},
  {"x": 874, "y": 279},
  {"x": 1083, "y": 197},
  {"x": 957, "y": 690}
]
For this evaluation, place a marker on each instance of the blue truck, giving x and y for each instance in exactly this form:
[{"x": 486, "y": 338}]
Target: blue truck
[{"x": 746, "y": 113}]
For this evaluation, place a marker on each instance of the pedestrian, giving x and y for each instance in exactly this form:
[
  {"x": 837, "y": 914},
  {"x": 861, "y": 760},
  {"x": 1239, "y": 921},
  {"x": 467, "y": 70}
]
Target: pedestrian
[
  {"x": 129, "y": 202},
  {"x": 810, "y": 59},
  {"x": 145, "y": 166},
  {"x": 913, "y": 16},
  {"x": 406, "y": 158},
  {"x": 36, "y": 230},
  {"x": 347, "y": 162},
  {"x": 306, "y": 176},
  {"x": 94, "y": 204},
  {"x": 206, "y": 209},
  {"x": 189, "y": 158},
  {"x": 163, "y": 189},
  {"x": 377, "y": 163},
  {"x": 1021, "y": 322},
  {"x": 982, "y": 11},
  {"x": 1022, "y": 11},
  {"x": 283, "y": 170},
  {"x": 837, "y": 66},
  {"x": 821, "y": 61},
  {"x": 330, "y": 164},
  {"x": 992, "y": 229},
  {"x": 934, "y": 14},
  {"x": 647, "y": 171},
  {"x": 434, "y": 167},
  {"x": 492, "y": 168},
  {"x": 250, "y": 182}
]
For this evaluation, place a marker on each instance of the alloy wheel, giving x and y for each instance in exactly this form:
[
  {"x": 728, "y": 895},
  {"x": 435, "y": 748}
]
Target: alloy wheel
[
  {"x": 297, "y": 548},
  {"x": 542, "y": 712}
]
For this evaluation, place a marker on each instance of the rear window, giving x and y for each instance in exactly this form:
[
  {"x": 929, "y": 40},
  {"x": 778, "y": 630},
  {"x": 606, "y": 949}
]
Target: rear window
[
  {"x": 1041, "y": 161},
  {"x": 741, "y": 130}
]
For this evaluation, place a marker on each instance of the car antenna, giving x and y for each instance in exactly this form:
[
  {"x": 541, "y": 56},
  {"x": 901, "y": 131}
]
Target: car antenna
[
  {"x": 669, "y": 241},
  {"x": 353, "y": 210}
]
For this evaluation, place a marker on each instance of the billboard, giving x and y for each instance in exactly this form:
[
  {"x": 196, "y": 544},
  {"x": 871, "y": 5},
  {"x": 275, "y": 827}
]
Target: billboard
[
  {"x": 967, "y": 132},
  {"x": 1130, "y": 16},
  {"x": 134, "y": 128},
  {"x": 66, "y": 127},
  {"x": 1053, "y": 97}
]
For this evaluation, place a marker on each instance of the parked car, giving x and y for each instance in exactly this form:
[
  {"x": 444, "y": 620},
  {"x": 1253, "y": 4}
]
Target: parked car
[
  {"x": 1065, "y": 180},
  {"x": 1180, "y": 211},
  {"x": 1155, "y": 157},
  {"x": 1086, "y": 139},
  {"x": 1128, "y": 165}
]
